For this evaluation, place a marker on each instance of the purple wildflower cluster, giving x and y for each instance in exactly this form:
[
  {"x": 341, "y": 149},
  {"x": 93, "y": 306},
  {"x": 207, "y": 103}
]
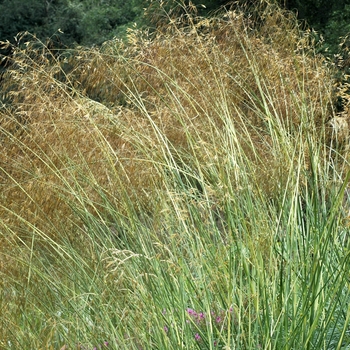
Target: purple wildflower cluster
[
  {"x": 198, "y": 321},
  {"x": 197, "y": 317}
]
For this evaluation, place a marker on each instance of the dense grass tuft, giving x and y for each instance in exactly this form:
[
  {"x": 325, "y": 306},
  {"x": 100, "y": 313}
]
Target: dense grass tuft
[{"x": 188, "y": 189}]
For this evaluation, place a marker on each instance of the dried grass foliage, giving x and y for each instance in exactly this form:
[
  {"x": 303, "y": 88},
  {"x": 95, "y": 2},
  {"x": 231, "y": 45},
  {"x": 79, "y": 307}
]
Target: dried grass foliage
[{"x": 88, "y": 125}]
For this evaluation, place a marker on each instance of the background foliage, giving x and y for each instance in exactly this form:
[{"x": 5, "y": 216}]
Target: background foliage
[
  {"x": 84, "y": 22},
  {"x": 91, "y": 22},
  {"x": 329, "y": 18}
]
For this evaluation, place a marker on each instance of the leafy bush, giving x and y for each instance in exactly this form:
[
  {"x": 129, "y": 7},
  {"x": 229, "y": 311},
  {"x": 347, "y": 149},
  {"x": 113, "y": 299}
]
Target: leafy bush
[
  {"x": 328, "y": 18},
  {"x": 83, "y": 22}
]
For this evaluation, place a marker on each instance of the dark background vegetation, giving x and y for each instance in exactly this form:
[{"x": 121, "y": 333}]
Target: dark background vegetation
[
  {"x": 64, "y": 24},
  {"x": 91, "y": 22},
  {"x": 331, "y": 18}
]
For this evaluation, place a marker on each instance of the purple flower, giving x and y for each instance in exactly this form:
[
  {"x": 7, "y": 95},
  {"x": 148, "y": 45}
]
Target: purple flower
[
  {"x": 105, "y": 343},
  {"x": 218, "y": 319},
  {"x": 199, "y": 317},
  {"x": 197, "y": 337},
  {"x": 191, "y": 312},
  {"x": 166, "y": 329}
]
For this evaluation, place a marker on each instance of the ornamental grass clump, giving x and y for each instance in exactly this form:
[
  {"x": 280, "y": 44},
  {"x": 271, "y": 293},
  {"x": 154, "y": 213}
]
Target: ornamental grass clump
[
  {"x": 200, "y": 166},
  {"x": 104, "y": 116}
]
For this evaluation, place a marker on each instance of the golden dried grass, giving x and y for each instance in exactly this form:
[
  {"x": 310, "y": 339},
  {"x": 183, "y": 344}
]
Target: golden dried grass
[{"x": 93, "y": 126}]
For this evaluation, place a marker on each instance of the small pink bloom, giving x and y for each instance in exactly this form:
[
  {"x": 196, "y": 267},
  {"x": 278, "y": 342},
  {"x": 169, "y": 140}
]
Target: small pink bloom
[{"x": 191, "y": 312}]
